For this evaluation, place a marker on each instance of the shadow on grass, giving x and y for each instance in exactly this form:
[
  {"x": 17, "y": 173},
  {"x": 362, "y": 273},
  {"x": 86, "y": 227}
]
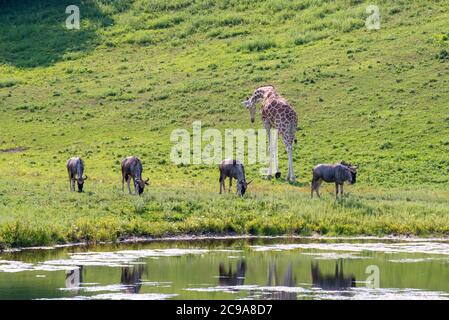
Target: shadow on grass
[
  {"x": 34, "y": 33},
  {"x": 298, "y": 184},
  {"x": 353, "y": 203},
  {"x": 281, "y": 180}
]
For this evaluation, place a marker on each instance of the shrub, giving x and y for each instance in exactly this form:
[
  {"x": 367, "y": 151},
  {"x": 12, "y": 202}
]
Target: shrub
[
  {"x": 141, "y": 38},
  {"x": 167, "y": 22},
  {"x": 443, "y": 55},
  {"x": 307, "y": 37},
  {"x": 257, "y": 45},
  {"x": 386, "y": 145}
]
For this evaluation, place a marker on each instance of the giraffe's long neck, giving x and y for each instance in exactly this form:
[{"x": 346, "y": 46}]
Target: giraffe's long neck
[{"x": 269, "y": 96}]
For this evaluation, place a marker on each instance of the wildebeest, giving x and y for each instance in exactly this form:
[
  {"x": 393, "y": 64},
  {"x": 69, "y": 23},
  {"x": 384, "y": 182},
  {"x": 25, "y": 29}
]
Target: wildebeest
[
  {"x": 233, "y": 169},
  {"x": 132, "y": 168},
  {"x": 75, "y": 169},
  {"x": 338, "y": 173}
]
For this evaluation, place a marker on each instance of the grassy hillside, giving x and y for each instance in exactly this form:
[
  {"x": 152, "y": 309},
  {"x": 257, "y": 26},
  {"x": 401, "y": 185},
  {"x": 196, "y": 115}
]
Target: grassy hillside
[{"x": 136, "y": 70}]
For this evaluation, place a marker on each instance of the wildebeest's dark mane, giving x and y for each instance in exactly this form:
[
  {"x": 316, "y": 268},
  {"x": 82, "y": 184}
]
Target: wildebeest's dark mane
[{"x": 346, "y": 164}]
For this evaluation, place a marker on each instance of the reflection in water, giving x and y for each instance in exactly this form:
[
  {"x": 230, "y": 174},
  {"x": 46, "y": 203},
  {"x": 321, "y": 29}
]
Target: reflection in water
[
  {"x": 230, "y": 278},
  {"x": 302, "y": 269},
  {"x": 73, "y": 278},
  {"x": 288, "y": 281},
  {"x": 337, "y": 281},
  {"x": 131, "y": 278}
]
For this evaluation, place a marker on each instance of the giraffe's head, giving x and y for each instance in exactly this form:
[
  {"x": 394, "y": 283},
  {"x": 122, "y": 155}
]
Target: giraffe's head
[{"x": 259, "y": 95}]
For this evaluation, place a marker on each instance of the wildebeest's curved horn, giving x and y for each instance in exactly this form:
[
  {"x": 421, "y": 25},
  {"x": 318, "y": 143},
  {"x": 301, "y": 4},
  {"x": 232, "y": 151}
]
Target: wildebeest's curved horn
[
  {"x": 146, "y": 181},
  {"x": 250, "y": 182},
  {"x": 85, "y": 177}
]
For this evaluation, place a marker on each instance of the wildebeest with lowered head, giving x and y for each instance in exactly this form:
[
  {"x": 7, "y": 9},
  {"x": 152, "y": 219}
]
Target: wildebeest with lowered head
[
  {"x": 132, "y": 168},
  {"x": 75, "y": 169},
  {"x": 338, "y": 173},
  {"x": 233, "y": 169}
]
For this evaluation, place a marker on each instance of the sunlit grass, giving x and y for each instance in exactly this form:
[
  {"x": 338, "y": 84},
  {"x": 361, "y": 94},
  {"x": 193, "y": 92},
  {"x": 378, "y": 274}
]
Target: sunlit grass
[{"x": 136, "y": 70}]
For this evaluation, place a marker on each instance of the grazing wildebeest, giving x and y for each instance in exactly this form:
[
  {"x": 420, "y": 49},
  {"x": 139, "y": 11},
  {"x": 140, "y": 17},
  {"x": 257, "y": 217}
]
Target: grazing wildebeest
[
  {"x": 75, "y": 168},
  {"x": 338, "y": 173},
  {"x": 233, "y": 169},
  {"x": 132, "y": 168}
]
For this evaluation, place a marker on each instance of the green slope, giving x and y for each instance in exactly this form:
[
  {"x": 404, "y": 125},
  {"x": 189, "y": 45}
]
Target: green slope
[{"x": 136, "y": 70}]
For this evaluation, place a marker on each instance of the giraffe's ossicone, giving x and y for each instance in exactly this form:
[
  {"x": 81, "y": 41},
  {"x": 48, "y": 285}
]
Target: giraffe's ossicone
[{"x": 278, "y": 114}]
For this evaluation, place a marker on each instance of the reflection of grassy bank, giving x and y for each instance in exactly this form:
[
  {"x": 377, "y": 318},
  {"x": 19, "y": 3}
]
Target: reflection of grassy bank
[{"x": 37, "y": 217}]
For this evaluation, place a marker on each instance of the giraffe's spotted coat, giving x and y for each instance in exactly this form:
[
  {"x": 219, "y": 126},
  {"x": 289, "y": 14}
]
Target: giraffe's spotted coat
[{"x": 276, "y": 113}]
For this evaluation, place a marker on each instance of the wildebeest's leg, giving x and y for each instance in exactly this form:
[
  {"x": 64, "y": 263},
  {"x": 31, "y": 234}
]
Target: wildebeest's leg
[
  {"x": 221, "y": 183},
  {"x": 336, "y": 190},
  {"x": 123, "y": 182},
  {"x": 230, "y": 184},
  {"x": 70, "y": 181},
  {"x": 317, "y": 188},
  {"x": 128, "y": 180},
  {"x": 224, "y": 184},
  {"x": 341, "y": 190},
  {"x": 314, "y": 185},
  {"x": 312, "y": 188},
  {"x": 135, "y": 187}
]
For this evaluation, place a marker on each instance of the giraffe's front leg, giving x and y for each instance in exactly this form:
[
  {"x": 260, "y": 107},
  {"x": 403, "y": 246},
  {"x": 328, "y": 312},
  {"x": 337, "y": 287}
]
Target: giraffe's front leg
[
  {"x": 270, "y": 149},
  {"x": 290, "y": 174}
]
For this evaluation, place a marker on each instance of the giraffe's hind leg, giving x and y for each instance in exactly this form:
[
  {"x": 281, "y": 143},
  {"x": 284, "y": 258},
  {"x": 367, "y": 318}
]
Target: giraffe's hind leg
[{"x": 277, "y": 174}]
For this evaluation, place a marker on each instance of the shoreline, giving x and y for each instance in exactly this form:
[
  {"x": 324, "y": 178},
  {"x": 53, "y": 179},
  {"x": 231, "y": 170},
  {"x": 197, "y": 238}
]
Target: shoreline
[{"x": 222, "y": 237}]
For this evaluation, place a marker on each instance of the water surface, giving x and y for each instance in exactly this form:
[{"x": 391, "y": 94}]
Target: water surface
[{"x": 276, "y": 268}]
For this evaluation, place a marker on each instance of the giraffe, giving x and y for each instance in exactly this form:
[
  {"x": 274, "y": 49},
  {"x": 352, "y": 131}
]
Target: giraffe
[{"x": 277, "y": 114}]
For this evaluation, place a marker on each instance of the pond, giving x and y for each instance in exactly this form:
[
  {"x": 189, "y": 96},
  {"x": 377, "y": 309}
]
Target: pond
[{"x": 237, "y": 268}]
